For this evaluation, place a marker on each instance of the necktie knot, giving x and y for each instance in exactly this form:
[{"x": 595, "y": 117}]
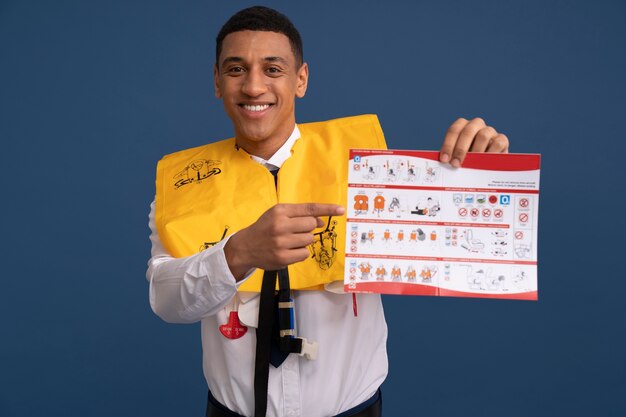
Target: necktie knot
[{"x": 274, "y": 172}]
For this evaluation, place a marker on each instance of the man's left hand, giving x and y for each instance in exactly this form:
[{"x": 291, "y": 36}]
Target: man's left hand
[{"x": 471, "y": 136}]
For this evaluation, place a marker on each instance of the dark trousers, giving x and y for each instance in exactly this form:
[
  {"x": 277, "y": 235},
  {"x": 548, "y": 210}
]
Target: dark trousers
[{"x": 370, "y": 408}]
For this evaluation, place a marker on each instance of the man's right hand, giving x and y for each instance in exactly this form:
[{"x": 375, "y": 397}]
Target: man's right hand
[{"x": 278, "y": 238}]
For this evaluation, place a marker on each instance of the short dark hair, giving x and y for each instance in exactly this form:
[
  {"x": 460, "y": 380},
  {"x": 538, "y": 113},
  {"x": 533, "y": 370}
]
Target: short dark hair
[{"x": 261, "y": 18}]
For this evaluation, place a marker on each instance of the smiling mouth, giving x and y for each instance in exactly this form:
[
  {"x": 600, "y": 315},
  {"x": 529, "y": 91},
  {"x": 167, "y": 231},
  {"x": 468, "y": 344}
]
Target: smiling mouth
[{"x": 255, "y": 107}]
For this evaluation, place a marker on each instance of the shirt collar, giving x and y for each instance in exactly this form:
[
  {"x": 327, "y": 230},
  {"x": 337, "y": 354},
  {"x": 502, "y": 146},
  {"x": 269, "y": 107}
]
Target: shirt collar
[{"x": 281, "y": 155}]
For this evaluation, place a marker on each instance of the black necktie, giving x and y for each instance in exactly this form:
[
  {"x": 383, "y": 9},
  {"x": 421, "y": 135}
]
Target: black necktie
[
  {"x": 270, "y": 347},
  {"x": 278, "y": 356}
]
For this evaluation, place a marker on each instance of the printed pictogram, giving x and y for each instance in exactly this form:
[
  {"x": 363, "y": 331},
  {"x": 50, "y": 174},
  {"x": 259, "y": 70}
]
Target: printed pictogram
[
  {"x": 523, "y": 217},
  {"x": 197, "y": 171},
  {"x": 498, "y": 213},
  {"x": 523, "y": 202},
  {"x": 427, "y": 207},
  {"x": 365, "y": 268},
  {"x": 474, "y": 212},
  {"x": 324, "y": 246},
  {"x": 395, "y": 206},
  {"x": 486, "y": 212},
  {"x": 519, "y": 235},
  {"x": 381, "y": 273},
  {"x": 379, "y": 204},
  {"x": 462, "y": 212},
  {"x": 360, "y": 204}
]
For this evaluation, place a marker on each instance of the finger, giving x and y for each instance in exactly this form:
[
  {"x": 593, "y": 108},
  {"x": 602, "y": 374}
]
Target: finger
[
  {"x": 302, "y": 224},
  {"x": 320, "y": 222},
  {"x": 499, "y": 144},
  {"x": 483, "y": 139},
  {"x": 288, "y": 257},
  {"x": 313, "y": 210},
  {"x": 298, "y": 240},
  {"x": 466, "y": 138},
  {"x": 450, "y": 139}
]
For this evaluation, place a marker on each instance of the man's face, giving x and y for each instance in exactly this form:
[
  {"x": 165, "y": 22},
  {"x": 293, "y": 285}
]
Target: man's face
[{"x": 257, "y": 78}]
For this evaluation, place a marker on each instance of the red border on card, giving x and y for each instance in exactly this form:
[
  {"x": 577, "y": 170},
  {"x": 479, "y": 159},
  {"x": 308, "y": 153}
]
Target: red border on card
[
  {"x": 403, "y": 288},
  {"x": 531, "y": 295},
  {"x": 399, "y": 288},
  {"x": 476, "y": 160}
]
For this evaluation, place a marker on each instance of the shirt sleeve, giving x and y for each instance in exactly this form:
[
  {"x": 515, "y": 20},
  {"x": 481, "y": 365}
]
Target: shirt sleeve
[{"x": 185, "y": 290}]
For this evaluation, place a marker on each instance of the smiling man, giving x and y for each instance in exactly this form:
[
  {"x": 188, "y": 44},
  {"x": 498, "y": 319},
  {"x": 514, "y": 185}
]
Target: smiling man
[
  {"x": 304, "y": 351},
  {"x": 258, "y": 75}
]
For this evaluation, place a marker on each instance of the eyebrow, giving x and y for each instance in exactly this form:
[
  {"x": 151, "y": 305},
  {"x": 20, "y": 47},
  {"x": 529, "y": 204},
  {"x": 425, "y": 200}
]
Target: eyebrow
[
  {"x": 237, "y": 59},
  {"x": 276, "y": 59}
]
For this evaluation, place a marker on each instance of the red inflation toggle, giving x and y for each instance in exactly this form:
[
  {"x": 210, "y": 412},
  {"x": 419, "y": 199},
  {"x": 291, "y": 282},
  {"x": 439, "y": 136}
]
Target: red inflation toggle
[{"x": 233, "y": 329}]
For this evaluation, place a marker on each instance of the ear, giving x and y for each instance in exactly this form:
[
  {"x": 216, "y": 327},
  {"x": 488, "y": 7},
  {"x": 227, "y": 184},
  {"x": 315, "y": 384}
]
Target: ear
[
  {"x": 216, "y": 82},
  {"x": 303, "y": 80}
]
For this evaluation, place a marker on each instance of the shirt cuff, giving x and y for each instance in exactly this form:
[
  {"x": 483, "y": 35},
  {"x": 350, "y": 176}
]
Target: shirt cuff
[{"x": 216, "y": 261}]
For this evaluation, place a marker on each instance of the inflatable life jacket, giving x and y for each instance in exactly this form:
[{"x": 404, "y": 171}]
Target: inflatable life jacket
[
  {"x": 206, "y": 193},
  {"x": 379, "y": 203},
  {"x": 360, "y": 203}
]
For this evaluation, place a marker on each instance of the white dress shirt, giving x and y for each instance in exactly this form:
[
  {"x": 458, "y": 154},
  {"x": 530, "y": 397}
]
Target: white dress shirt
[{"x": 352, "y": 358}]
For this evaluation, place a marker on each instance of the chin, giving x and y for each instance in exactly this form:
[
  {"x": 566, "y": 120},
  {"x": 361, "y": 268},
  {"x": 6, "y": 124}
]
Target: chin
[{"x": 254, "y": 135}]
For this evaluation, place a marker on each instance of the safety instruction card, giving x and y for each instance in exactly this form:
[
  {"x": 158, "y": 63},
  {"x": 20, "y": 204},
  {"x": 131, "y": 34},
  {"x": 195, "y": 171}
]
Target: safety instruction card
[{"x": 416, "y": 226}]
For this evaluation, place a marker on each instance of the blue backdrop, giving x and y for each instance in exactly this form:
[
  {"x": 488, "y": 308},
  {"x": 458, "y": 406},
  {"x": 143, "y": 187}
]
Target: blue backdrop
[{"x": 92, "y": 94}]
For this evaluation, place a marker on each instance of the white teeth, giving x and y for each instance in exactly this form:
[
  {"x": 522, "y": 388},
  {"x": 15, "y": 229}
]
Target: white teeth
[{"x": 258, "y": 107}]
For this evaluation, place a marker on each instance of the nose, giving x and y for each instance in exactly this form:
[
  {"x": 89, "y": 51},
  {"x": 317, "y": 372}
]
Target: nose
[{"x": 254, "y": 83}]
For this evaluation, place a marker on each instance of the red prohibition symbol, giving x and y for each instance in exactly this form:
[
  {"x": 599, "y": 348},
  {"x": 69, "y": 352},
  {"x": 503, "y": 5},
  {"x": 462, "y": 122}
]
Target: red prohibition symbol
[
  {"x": 474, "y": 212},
  {"x": 523, "y": 217},
  {"x": 523, "y": 202},
  {"x": 462, "y": 212},
  {"x": 497, "y": 213},
  {"x": 486, "y": 212},
  {"x": 519, "y": 235}
]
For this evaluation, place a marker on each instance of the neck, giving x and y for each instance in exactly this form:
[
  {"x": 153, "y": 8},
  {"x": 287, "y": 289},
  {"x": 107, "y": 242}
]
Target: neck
[
  {"x": 265, "y": 147},
  {"x": 263, "y": 150}
]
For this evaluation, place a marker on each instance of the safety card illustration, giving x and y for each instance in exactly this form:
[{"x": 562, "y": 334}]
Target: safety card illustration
[{"x": 419, "y": 227}]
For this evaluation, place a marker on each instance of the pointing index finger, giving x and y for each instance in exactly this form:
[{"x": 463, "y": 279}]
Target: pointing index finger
[{"x": 314, "y": 210}]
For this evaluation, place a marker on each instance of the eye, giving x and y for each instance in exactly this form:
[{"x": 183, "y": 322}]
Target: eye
[
  {"x": 235, "y": 70},
  {"x": 273, "y": 71}
]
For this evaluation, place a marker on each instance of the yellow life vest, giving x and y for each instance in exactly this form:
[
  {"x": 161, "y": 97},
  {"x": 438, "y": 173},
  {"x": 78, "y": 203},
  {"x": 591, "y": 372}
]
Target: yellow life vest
[{"x": 206, "y": 193}]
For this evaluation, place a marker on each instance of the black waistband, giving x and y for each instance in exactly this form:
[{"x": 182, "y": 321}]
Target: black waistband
[{"x": 370, "y": 408}]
